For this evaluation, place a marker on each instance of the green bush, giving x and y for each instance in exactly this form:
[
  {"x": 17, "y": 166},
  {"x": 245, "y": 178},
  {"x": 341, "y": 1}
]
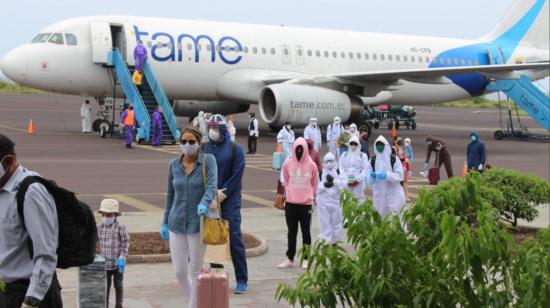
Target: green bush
[
  {"x": 521, "y": 193},
  {"x": 455, "y": 253}
]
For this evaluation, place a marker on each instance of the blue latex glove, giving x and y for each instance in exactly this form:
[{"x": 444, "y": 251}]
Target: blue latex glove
[
  {"x": 426, "y": 165},
  {"x": 382, "y": 175},
  {"x": 164, "y": 232},
  {"x": 121, "y": 264},
  {"x": 202, "y": 210},
  {"x": 373, "y": 175}
]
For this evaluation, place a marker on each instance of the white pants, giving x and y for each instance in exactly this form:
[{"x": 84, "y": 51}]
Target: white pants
[
  {"x": 333, "y": 149},
  {"x": 358, "y": 191},
  {"x": 86, "y": 125},
  {"x": 187, "y": 253},
  {"x": 330, "y": 222}
]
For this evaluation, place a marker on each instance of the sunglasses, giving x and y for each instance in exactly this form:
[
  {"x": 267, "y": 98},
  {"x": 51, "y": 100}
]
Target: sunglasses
[
  {"x": 191, "y": 142},
  {"x": 353, "y": 143}
]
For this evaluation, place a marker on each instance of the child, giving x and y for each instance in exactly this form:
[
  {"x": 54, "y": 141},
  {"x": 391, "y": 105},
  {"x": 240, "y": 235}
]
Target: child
[
  {"x": 113, "y": 241},
  {"x": 328, "y": 202}
]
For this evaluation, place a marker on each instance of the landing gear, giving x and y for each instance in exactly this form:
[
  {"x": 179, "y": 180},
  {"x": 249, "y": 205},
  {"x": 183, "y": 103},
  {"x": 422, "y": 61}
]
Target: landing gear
[{"x": 104, "y": 128}]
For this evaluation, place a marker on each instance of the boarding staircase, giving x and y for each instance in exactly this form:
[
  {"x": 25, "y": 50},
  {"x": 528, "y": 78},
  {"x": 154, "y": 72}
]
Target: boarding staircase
[
  {"x": 152, "y": 95},
  {"x": 527, "y": 96}
]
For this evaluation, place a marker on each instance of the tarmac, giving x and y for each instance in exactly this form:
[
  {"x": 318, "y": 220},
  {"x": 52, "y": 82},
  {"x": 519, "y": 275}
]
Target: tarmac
[{"x": 96, "y": 168}]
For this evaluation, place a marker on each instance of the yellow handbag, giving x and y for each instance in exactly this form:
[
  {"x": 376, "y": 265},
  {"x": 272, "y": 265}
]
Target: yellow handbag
[{"x": 216, "y": 230}]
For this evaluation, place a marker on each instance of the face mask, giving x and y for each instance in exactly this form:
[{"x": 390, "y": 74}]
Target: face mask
[
  {"x": 288, "y": 127},
  {"x": 188, "y": 149},
  {"x": 407, "y": 144},
  {"x": 337, "y": 122},
  {"x": 380, "y": 147},
  {"x": 329, "y": 165},
  {"x": 108, "y": 220},
  {"x": 473, "y": 138},
  {"x": 2, "y": 170},
  {"x": 353, "y": 148},
  {"x": 214, "y": 135},
  {"x": 353, "y": 130}
]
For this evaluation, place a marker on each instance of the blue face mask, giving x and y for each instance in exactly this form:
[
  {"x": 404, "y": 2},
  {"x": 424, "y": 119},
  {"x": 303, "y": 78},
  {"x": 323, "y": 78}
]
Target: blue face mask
[{"x": 473, "y": 138}]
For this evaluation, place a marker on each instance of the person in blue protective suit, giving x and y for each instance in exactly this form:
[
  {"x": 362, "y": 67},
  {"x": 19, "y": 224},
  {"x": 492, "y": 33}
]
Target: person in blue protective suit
[
  {"x": 231, "y": 164},
  {"x": 475, "y": 155},
  {"x": 140, "y": 55},
  {"x": 157, "y": 127}
]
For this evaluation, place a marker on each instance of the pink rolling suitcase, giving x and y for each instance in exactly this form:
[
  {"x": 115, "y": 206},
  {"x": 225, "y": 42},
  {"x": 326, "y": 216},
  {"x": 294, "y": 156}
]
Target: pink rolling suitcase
[{"x": 213, "y": 289}]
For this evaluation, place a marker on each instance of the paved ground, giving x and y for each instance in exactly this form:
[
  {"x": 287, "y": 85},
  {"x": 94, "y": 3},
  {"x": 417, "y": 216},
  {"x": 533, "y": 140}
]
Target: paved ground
[{"x": 96, "y": 168}]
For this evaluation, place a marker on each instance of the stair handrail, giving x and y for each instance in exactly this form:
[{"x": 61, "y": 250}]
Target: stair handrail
[
  {"x": 132, "y": 94},
  {"x": 162, "y": 100}
]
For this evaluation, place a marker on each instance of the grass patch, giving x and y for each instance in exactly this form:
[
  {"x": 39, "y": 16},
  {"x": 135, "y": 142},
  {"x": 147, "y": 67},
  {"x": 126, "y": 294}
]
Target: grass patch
[
  {"x": 14, "y": 88},
  {"x": 480, "y": 102}
]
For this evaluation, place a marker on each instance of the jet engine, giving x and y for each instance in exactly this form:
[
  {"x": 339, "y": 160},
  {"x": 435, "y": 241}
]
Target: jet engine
[
  {"x": 191, "y": 108},
  {"x": 296, "y": 104}
]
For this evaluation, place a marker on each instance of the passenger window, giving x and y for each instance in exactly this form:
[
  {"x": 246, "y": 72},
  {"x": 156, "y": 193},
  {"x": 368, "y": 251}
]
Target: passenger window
[
  {"x": 189, "y": 46},
  {"x": 149, "y": 44},
  {"x": 366, "y": 56},
  {"x": 359, "y": 56},
  {"x": 397, "y": 58},
  {"x": 405, "y": 58},
  {"x": 300, "y": 52},
  {"x": 71, "y": 39},
  {"x": 441, "y": 61},
  {"x": 351, "y": 55},
  {"x": 273, "y": 51},
  {"x": 382, "y": 57},
  {"x": 246, "y": 49},
  {"x": 41, "y": 38},
  {"x": 334, "y": 54},
  {"x": 208, "y": 47},
  {"x": 449, "y": 61},
  {"x": 326, "y": 54},
  {"x": 477, "y": 62},
  {"x": 343, "y": 55},
  {"x": 412, "y": 59},
  {"x": 57, "y": 38},
  {"x": 419, "y": 59},
  {"x": 455, "y": 60},
  {"x": 255, "y": 50},
  {"x": 309, "y": 53},
  {"x": 427, "y": 59},
  {"x": 374, "y": 56},
  {"x": 264, "y": 51},
  {"x": 286, "y": 52},
  {"x": 462, "y": 62},
  {"x": 390, "y": 58},
  {"x": 318, "y": 53},
  {"x": 470, "y": 63}
]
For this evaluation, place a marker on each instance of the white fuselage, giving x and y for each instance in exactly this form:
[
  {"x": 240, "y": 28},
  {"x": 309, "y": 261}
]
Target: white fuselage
[{"x": 188, "y": 68}]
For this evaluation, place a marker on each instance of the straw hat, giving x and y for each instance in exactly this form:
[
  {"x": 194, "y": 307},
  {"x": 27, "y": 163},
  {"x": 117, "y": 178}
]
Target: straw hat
[{"x": 109, "y": 206}]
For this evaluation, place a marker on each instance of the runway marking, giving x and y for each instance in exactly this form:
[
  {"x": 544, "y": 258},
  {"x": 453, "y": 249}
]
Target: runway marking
[
  {"x": 257, "y": 200},
  {"x": 135, "y": 203},
  {"x": 13, "y": 128},
  {"x": 45, "y": 133}
]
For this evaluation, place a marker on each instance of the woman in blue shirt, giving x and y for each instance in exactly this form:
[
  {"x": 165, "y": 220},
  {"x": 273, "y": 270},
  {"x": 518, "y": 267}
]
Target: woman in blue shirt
[{"x": 187, "y": 199}]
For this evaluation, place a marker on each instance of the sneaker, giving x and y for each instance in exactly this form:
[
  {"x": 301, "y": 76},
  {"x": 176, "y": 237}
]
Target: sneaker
[
  {"x": 286, "y": 264},
  {"x": 241, "y": 288},
  {"x": 304, "y": 264}
]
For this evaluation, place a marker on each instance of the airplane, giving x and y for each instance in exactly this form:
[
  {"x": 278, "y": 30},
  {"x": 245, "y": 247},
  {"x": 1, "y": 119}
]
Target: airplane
[{"x": 292, "y": 73}]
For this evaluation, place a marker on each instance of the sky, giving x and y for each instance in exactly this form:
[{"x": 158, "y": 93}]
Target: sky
[{"x": 21, "y": 20}]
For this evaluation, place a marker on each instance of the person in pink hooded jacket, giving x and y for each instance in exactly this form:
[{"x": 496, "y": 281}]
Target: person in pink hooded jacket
[{"x": 300, "y": 177}]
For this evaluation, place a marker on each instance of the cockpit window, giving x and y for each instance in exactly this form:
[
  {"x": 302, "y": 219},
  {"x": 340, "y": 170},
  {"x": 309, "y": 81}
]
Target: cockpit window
[
  {"x": 41, "y": 38},
  {"x": 71, "y": 39},
  {"x": 57, "y": 38}
]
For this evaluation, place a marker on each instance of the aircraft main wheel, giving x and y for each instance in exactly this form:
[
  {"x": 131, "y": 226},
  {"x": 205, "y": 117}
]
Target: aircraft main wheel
[
  {"x": 95, "y": 124},
  {"x": 376, "y": 125},
  {"x": 499, "y": 135},
  {"x": 396, "y": 124},
  {"x": 104, "y": 128}
]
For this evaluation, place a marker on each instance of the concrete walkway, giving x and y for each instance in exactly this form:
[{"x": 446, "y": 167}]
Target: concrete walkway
[{"x": 154, "y": 285}]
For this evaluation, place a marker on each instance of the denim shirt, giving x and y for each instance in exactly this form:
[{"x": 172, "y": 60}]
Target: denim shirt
[{"x": 186, "y": 192}]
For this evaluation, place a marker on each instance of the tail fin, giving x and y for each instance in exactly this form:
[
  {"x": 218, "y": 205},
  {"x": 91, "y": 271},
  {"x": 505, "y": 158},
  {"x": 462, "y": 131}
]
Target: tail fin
[{"x": 525, "y": 23}]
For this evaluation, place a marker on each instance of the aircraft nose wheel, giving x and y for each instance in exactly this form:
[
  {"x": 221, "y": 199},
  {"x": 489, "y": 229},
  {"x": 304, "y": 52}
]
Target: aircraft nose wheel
[{"x": 104, "y": 128}]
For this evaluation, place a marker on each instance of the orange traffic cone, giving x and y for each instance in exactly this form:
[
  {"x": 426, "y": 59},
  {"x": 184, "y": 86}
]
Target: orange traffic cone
[
  {"x": 464, "y": 169},
  {"x": 30, "y": 129},
  {"x": 279, "y": 148},
  {"x": 393, "y": 131}
]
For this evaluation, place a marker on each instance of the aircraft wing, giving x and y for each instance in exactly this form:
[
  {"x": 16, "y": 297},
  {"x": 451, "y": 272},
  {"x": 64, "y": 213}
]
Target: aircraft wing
[{"x": 427, "y": 75}]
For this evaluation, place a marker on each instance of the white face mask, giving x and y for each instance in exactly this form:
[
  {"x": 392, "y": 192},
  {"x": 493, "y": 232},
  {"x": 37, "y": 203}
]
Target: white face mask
[
  {"x": 108, "y": 220},
  {"x": 214, "y": 135},
  {"x": 2, "y": 170},
  {"x": 330, "y": 165},
  {"x": 353, "y": 148},
  {"x": 288, "y": 127},
  {"x": 188, "y": 149}
]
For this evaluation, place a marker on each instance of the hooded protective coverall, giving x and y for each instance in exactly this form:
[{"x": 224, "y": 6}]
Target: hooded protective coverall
[
  {"x": 231, "y": 164},
  {"x": 475, "y": 155},
  {"x": 328, "y": 203},
  {"x": 334, "y": 131},
  {"x": 86, "y": 115},
  {"x": 313, "y": 133},
  {"x": 140, "y": 55},
  {"x": 387, "y": 193},
  {"x": 285, "y": 138},
  {"x": 201, "y": 126},
  {"x": 353, "y": 169},
  {"x": 157, "y": 128}
]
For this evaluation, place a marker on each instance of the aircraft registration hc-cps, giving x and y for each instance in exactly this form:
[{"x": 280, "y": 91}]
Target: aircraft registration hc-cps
[{"x": 292, "y": 73}]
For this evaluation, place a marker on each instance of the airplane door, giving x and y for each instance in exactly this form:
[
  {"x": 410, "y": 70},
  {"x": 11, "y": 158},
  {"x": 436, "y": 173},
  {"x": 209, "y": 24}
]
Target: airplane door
[
  {"x": 300, "y": 55},
  {"x": 494, "y": 53},
  {"x": 286, "y": 54},
  {"x": 102, "y": 41}
]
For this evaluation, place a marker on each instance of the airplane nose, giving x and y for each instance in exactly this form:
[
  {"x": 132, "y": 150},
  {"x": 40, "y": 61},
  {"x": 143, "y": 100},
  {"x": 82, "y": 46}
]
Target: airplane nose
[{"x": 14, "y": 65}]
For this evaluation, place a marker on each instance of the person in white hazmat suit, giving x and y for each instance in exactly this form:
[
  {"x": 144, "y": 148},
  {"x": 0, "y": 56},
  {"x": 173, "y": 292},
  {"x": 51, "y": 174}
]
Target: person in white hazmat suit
[
  {"x": 353, "y": 130},
  {"x": 328, "y": 202},
  {"x": 86, "y": 115},
  {"x": 353, "y": 168},
  {"x": 334, "y": 130},
  {"x": 387, "y": 193},
  {"x": 200, "y": 123},
  {"x": 313, "y": 133},
  {"x": 285, "y": 138}
]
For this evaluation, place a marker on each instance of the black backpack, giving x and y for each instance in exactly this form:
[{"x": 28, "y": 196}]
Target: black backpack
[{"x": 77, "y": 226}]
